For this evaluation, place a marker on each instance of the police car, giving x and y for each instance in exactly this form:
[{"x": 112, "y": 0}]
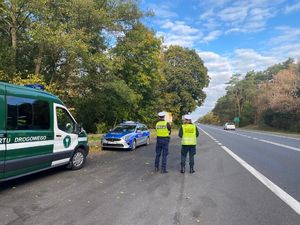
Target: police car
[
  {"x": 127, "y": 135},
  {"x": 37, "y": 132}
]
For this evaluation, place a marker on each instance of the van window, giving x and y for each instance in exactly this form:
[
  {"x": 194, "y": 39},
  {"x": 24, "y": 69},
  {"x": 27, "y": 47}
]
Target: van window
[
  {"x": 65, "y": 121},
  {"x": 27, "y": 114}
]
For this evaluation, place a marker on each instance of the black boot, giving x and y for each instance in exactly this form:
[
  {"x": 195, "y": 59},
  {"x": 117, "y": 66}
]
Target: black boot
[
  {"x": 192, "y": 169},
  {"x": 156, "y": 169},
  {"x": 164, "y": 171},
  {"x": 182, "y": 169}
]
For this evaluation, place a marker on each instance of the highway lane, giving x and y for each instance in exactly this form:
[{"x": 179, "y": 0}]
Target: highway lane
[
  {"x": 120, "y": 188},
  {"x": 276, "y": 157},
  {"x": 267, "y": 136}
]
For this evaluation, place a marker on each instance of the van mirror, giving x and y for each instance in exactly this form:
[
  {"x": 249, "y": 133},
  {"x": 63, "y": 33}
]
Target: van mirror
[{"x": 78, "y": 128}]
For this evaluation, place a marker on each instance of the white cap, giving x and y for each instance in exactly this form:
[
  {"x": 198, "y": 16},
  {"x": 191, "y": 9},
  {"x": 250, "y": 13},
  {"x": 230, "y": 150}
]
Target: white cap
[
  {"x": 187, "y": 117},
  {"x": 161, "y": 114}
]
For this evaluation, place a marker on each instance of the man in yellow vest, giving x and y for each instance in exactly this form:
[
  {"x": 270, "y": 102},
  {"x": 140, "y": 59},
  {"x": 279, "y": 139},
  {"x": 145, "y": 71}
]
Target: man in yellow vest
[
  {"x": 189, "y": 133},
  {"x": 163, "y": 129}
]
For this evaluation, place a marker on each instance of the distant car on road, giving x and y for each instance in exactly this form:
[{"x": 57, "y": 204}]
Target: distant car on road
[
  {"x": 127, "y": 135},
  {"x": 229, "y": 126}
]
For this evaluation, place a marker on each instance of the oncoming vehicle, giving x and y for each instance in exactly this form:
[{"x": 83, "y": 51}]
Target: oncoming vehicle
[
  {"x": 127, "y": 135},
  {"x": 37, "y": 132},
  {"x": 229, "y": 126}
]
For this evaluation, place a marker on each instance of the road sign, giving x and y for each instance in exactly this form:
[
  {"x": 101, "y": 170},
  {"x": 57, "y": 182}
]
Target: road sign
[{"x": 236, "y": 119}]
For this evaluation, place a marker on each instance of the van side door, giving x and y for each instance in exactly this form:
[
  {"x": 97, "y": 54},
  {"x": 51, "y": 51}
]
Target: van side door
[
  {"x": 29, "y": 133},
  {"x": 65, "y": 136},
  {"x": 2, "y": 130}
]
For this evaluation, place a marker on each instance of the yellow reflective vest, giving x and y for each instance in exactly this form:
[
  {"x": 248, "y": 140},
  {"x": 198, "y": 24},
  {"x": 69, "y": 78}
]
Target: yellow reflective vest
[
  {"x": 189, "y": 134},
  {"x": 162, "y": 129}
]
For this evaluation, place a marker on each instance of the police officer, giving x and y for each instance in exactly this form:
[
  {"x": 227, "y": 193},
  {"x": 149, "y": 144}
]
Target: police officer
[
  {"x": 189, "y": 133},
  {"x": 163, "y": 130}
]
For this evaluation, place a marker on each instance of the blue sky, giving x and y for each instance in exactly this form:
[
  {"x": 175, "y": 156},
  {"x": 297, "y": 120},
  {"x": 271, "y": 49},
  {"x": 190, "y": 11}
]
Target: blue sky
[{"x": 230, "y": 36}]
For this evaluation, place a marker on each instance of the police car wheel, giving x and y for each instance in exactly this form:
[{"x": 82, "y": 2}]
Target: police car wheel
[
  {"x": 78, "y": 159},
  {"x": 133, "y": 145},
  {"x": 148, "y": 141}
]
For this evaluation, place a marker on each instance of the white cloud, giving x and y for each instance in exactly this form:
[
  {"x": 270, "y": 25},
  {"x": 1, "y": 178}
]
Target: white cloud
[
  {"x": 163, "y": 10},
  {"x": 206, "y": 15},
  {"x": 224, "y": 17},
  {"x": 180, "y": 27},
  {"x": 164, "y": 13},
  {"x": 210, "y": 24},
  {"x": 238, "y": 16},
  {"x": 235, "y": 30},
  {"x": 207, "y": 4},
  {"x": 179, "y": 33},
  {"x": 285, "y": 43},
  {"x": 287, "y": 51},
  {"x": 220, "y": 71},
  {"x": 292, "y": 8},
  {"x": 248, "y": 59},
  {"x": 285, "y": 35},
  {"x": 221, "y": 68},
  {"x": 212, "y": 36},
  {"x": 234, "y": 15}
]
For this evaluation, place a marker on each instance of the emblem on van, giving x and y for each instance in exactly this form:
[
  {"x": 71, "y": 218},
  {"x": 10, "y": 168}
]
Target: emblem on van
[{"x": 67, "y": 141}]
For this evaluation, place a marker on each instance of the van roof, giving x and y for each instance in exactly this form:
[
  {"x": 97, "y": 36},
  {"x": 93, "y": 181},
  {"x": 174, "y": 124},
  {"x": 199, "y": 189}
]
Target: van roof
[{"x": 29, "y": 91}]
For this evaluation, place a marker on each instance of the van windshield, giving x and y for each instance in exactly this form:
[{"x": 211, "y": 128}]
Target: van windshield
[{"x": 124, "y": 128}]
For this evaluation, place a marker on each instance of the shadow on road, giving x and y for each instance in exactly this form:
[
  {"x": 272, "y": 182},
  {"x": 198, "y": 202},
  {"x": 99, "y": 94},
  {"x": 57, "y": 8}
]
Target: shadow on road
[{"x": 5, "y": 185}]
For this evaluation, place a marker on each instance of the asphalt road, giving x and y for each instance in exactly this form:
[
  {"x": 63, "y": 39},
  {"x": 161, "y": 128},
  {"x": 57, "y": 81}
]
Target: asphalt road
[{"x": 120, "y": 187}]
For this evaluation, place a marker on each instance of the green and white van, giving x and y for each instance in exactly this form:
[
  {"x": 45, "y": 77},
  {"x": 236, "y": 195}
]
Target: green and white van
[{"x": 37, "y": 132}]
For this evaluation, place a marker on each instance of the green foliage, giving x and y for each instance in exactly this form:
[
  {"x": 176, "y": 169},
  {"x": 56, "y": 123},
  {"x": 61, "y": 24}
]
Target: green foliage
[
  {"x": 101, "y": 128},
  {"x": 186, "y": 77},
  {"x": 285, "y": 121},
  {"x": 138, "y": 61},
  {"x": 269, "y": 97},
  {"x": 30, "y": 79},
  {"x": 99, "y": 58},
  {"x": 210, "y": 118}
]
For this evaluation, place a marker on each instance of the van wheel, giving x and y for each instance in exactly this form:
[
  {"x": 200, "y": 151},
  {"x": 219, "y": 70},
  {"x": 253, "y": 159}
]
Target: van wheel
[{"x": 78, "y": 159}]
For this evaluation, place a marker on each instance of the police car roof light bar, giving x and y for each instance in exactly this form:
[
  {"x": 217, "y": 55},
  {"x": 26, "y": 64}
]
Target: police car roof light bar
[{"x": 35, "y": 86}]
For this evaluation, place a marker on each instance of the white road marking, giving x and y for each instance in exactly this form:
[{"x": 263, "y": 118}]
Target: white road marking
[
  {"x": 281, "y": 145},
  {"x": 289, "y": 200},
  {"x": 262, "y": 140},
  {"x": 275, "y": 135},
  {"x": 257, "y": 132}
]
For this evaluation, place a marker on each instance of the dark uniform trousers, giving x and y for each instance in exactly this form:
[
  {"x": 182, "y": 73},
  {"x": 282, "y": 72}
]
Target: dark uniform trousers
[
  {"x": 162, "y": 148},
  {"x": 189, "y": 149}
]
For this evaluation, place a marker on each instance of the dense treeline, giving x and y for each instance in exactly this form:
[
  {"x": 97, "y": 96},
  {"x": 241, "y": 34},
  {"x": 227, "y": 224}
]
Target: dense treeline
[
  {"x": 270, "y": 97},
  {"x": 99, "y": 58}
]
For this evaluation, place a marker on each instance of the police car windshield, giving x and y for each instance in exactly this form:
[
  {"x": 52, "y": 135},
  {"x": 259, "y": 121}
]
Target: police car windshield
[{"x": 124, "y": 128}]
